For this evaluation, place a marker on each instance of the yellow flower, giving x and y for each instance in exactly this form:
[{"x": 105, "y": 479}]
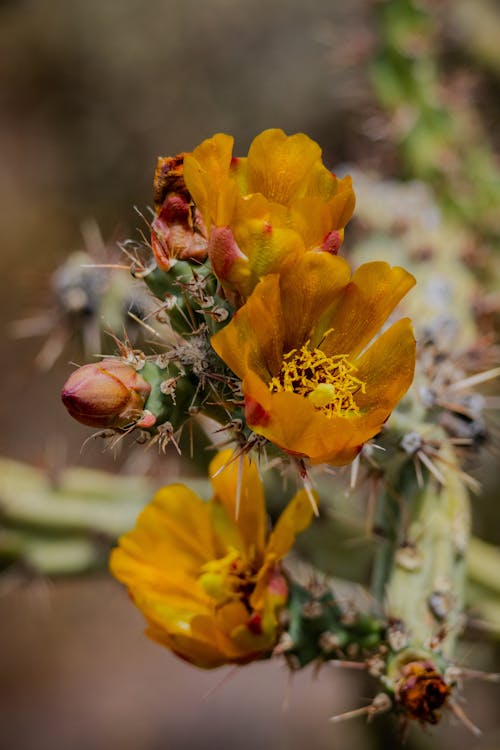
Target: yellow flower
[
  {"x": 299, "y": 344},
  {"x": 208, "y": 582},
  {"x": 277, "y": 202}
]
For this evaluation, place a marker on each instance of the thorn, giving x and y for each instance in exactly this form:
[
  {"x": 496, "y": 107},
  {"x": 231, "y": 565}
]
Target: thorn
[
  {"x": 355, "y": 471},
  {"x": 418, "y": 472},
  {"x": 480, "y": 377},
  {"x": 477, "y": 674},
  {"x": 118, "y": 266},
  {"x": 380, "y": 704},
  {"x": 143, "y": 324},
  {"x": 432, "y": 468},
  {"x": 308, "y": 488},
  {"x": 462, "y": 716},
  {"x": 238, "y": 486},
  {"x": 220, "y": 683}
]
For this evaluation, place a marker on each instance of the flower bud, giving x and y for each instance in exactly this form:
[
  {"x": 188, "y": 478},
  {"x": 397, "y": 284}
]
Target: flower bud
[
  {"x": 224, "y": 253},
  {"x": 106, "y": 394}
]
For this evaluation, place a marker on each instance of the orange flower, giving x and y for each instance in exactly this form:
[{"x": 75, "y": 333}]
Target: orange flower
[
  {"x": 299, "y": 345},
  {"x": 279, "y": 201},
  {"x": 208, "y": 582}
]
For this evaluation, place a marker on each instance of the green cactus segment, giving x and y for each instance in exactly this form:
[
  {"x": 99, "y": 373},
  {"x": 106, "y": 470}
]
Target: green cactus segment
[
  {"x": 424, "y": 590},
  {"x": 320, "y": 628},
  {"x": 433, "y": 129},
  {"x": 190, "y": 293},
  {"x": 168, "y": 404}
]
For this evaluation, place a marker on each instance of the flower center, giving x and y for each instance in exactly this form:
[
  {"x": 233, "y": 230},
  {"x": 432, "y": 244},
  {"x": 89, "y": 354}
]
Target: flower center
[
  {"x": 228, "y": 578},
  {"x": 328, "y": 382}
]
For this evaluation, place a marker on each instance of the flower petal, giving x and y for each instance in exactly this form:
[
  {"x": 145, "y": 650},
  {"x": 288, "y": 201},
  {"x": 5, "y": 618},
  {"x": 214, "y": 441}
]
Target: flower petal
[
  {"x": 206, "y": 173},
  {"x": 199, "y": 651},
  {"x": 266, "y": 246},
  {"x": 342, "y": 204},
  {"x": 174, "y": 530},
  {"x": 364, "y": 306},
  {"x": 253, "y": 339},
  {"x": 387, "y": 367},
  {"x": 278, "y": 165},
  {"x": 292, "y": 423},
  {"x": 295, "y": 518},
  {"x": 308, "y": 288},
  {"x": 311, "y": 218},
  {"x": 251, "y": 518}
]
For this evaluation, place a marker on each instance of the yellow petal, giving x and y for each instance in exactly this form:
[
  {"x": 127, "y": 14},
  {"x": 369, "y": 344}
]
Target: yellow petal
[
  {"x": 199, "y": 641},
  {"x": 292, "y": 423},
  {"x": 154, "y": 584},
  {"x": 342, "y": 204},
  {"x": 387, "y": 367},
  {"x": 311, "y": 218},
  {"x": 195, "y": 651},
  {"x": 364, "y": 306},
  {"x": 251, "y": 518},
  {"x": 308, "y": 288},
  {"x": 174, "y": 530},
  {"x": 266, "y": 246},
  {"x": 321, "y": 182},
  {"x": 253, "y": 339},
  {"x": 278, "y": 166},
  {"x": 206, "y": 173},
  {"x": 295, "y": 518}
]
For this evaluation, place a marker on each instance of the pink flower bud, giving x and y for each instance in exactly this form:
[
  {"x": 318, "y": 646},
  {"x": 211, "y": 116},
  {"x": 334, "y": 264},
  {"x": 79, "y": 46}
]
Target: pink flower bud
[
  {"x": 224, "y": 252},
  {"x": 106, "y": 394}
]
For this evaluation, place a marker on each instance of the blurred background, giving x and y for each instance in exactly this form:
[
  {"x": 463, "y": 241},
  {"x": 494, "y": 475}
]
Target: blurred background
[{"x": 91, "y": 94}]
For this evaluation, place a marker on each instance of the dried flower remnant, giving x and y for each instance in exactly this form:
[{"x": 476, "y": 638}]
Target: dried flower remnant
[
  {"x": 421, "y": 691},
  {"x": 299, "y": 345},
  {"x": 277, "y": 202},
  {"x": 177, "y": 231},
  {"x": 203, "y": 574}
]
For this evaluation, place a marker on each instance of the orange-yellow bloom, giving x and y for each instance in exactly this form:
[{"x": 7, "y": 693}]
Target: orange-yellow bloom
[
  {"x": 277, "y": 202},
  {"x": 299, "y": 345},
  {"x": 205, "y": 577}
]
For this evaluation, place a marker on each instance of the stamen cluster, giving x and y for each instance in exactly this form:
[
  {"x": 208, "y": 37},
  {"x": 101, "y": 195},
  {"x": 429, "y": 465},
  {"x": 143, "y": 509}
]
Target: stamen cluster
[{"x": 328, "y": 382}]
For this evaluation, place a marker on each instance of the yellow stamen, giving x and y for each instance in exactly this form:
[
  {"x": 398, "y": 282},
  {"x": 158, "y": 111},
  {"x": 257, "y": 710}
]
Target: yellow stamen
[{"x": 328, "y": 382}]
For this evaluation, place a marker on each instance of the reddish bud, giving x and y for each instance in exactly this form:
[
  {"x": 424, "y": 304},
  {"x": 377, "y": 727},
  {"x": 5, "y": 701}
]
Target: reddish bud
[
  {"x": 107, "y": 394},
  {"x": 223, "y": 252},
  {"x": 278, "y": 585}
]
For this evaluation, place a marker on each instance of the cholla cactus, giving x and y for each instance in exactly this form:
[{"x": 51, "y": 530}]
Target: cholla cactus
[{"x": 263, "y": 328}]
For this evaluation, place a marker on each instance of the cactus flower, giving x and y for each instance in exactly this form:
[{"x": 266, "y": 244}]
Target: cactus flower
[
  {"x": 313, "y": 382},
  {"x": 204, "y": 575},
  {"x": 277, "y": 202},
  {"x": 110, "y": 393}
]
